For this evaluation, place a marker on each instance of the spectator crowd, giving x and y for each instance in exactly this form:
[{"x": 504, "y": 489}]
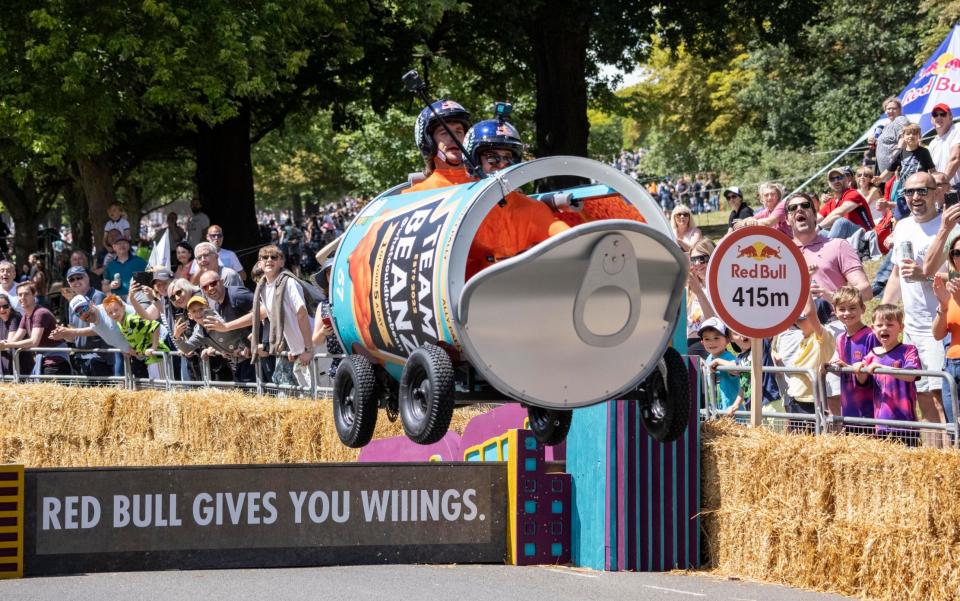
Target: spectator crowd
[
  {"x": 201, "y": 306},
  {"x": 898, "y": 208}
]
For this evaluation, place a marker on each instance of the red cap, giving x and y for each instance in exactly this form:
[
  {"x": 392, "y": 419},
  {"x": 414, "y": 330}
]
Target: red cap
[{"x": 943, "y": 107}]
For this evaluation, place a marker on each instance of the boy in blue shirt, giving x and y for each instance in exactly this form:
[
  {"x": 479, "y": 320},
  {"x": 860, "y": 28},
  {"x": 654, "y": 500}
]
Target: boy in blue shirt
[{"x": 714, "y": 336}]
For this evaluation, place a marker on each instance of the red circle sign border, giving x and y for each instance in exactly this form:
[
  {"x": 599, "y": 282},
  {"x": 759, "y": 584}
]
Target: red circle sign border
[{"x": 714, "y": 266}]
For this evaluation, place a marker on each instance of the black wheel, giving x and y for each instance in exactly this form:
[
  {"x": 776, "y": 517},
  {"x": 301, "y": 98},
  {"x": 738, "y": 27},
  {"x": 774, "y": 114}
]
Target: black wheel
[
  {"x": 355, "y": 401},
  {"x": 426, "y": 394},
  {"x": 665, "y": 402},
  {"x": 550, "y": 426}
]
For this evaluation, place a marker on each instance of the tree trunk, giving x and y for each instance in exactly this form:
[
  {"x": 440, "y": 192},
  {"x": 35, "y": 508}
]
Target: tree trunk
[
  {"x": 134, "y": 208},
  {"x": 225, "y": 184},
  {"x": 560, "y": 33},
  {"x": 28, "y": 209},
  {"x": 96, "y": 176},
  {"x": 79, "y": 217},
  {"x": 296, "y": 206}
]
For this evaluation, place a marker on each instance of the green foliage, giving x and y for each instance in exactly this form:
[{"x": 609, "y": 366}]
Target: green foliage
[
  {"x": 759, "y": 107},
  {"x": 380, "y": 154},
  {"x": 606, "y": 134}
]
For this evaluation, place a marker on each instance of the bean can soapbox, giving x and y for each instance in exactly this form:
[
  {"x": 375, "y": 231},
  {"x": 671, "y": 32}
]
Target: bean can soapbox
[{"x": 583, "y": 317}]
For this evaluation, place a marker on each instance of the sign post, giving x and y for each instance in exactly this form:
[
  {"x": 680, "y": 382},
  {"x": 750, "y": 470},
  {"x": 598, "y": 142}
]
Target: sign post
[{"x": 758, "y": 284}]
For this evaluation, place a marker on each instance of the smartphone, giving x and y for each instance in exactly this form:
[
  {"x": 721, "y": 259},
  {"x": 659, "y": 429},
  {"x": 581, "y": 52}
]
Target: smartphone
[
  {"x": 327, "y": 321},
  {"x": 144, "y": 278},
  {"x": 951, "y": 198}
]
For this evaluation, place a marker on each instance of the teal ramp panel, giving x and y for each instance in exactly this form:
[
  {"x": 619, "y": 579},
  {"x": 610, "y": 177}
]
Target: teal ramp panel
[{"x": 588, "y": 458}]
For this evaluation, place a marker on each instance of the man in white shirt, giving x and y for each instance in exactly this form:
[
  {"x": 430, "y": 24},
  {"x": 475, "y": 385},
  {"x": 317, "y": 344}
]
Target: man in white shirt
[
  {"x": 8, "y": 285},
  {"x": 945, "y": 147},
  {"x": 909, "y": 283},
  {"x": 227, "y": 258}
]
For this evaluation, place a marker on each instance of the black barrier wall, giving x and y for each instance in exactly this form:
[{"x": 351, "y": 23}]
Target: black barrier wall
[{"x": 116, "y": 519}]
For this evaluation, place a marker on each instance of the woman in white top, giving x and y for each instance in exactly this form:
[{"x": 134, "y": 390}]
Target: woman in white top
[
  {"x": 872, "y": 193},
  {"x": 684, "y": 229}
]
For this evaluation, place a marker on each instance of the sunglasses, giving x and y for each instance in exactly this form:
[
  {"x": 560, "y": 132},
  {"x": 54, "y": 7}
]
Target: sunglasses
[
  {"x": 75, "y": 278},
  {"x": 80, "y": 312},
  {"x": 700, "y": 259},
  {"x": 921, "y": 192},
  {"x": 218, "y": 236},
  {"x": 210, "y": 285},
  {"x": 799, "y": 205},
  {"x": 495, "y": 160},
  {"x": 4, "y": 307},
  {"x": 731, "y": 196},
  {"x": 177, "y": 294},
  {"x": 939, "y": 114},
  {"x": 954, "y": 254},
  {"x": 863, "y": 175},
  {"x": 269, "y": 257},
  {"x": 837, "y": 178}
]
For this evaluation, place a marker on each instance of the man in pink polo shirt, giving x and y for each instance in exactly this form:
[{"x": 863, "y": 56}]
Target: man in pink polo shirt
[{"x": 835, "y": 261}]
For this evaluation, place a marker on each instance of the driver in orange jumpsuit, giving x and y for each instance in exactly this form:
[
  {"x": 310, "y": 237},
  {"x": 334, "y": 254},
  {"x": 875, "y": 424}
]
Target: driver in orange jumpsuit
[{"x": 517, "y": 222}]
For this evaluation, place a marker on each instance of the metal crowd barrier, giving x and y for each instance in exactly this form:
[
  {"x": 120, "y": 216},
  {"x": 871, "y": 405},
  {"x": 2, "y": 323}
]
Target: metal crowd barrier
[
  {"x": 826, "y": 421},
  {"x": 168, "y": 379}
]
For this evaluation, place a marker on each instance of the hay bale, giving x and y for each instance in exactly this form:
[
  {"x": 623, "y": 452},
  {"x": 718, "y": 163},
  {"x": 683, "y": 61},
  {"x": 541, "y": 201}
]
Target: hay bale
[
  {"x": 47, "y": 425},
  {"x": 847, "y": 514}
]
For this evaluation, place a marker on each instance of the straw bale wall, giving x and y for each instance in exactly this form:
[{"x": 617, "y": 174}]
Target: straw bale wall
[
  {"x": 47, "y": 425},
  {"x": 849, "y": 514}
]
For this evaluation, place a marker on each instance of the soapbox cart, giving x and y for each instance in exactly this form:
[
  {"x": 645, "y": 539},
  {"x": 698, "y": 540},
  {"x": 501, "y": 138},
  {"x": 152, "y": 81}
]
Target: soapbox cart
[{"x": 584, "y": 317}]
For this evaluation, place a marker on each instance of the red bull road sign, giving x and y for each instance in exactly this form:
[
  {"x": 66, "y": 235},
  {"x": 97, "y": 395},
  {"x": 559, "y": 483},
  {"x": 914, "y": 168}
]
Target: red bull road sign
[{"x": 758, "y": 281}]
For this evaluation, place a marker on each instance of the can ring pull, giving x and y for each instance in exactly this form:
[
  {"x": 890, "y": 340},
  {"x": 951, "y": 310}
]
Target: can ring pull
[{"x": 613, "y": 265}]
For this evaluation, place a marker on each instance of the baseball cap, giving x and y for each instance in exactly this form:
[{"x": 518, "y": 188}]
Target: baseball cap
[
  {"x": 79, "y": 304},
  {"x": 196, "y": 299},
  {"x": 846, "y": 171},
  {"x": 122, "y": 238},
  {"x": 733, "y": 190},
  {"x": 712, "y": 323},
  {"x": 76, "y": 270},
  {"x": 837, "y": 170},
  {"x": 943, "y": 107},
  {"x": 162, "y": 274}
]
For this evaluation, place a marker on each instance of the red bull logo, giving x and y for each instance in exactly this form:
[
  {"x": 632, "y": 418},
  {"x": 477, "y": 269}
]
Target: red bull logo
[
  {"x": 758, "y": 251},
  {"x": 937, "y": 76}
]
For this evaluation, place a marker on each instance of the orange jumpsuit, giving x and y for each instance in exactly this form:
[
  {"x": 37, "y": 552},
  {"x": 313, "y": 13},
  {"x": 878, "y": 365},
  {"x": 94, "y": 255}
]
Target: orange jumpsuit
[
  {"x": 441, "y": 178},
  {"x": 612, "y": 206},
  {"x": 509, "y": 230}
]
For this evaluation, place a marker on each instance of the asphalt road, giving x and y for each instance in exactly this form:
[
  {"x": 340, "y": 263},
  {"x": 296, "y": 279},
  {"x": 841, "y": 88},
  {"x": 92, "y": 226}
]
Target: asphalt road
[{"x": 398, "y": 582}]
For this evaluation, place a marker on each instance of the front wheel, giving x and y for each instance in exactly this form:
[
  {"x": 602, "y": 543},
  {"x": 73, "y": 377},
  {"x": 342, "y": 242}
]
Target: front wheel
[
  {"x": 355, "y": 401},
  {"x": 426, "y": 394},
  {"x": 665, "y": 398},
  {"x": 550, "y": 426}
]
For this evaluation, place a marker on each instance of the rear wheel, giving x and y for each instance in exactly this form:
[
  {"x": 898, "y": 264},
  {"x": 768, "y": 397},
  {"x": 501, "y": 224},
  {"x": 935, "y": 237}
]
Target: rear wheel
[
  {"x": 355, "y": 401},
  {"x": 426, "y": 394},
  {"x": 550, "y": 426},
  {"x": 665, "y": 398}
]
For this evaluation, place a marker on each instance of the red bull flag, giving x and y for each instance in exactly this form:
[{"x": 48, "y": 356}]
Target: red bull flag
[{"x": 938, "y": 80}]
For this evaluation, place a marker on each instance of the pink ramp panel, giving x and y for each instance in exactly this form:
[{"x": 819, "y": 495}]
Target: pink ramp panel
[
  {"x": 451, "y": 447},
  {"x": 402, "y": 449}
]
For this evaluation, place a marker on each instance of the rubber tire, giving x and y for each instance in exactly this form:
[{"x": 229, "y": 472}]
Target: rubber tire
[
  {"x": 426, "y": 394},
  {"x": 355, "y": 401},
  {"x": 550, "y": 426},
  {"x": 666, "y": 407}
]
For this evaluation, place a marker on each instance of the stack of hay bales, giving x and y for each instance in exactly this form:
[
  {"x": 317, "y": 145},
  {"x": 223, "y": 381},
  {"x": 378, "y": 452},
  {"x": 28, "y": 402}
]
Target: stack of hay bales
[
  {"x": 47, "y": 425},
  {"x": 850, "y": 514}
]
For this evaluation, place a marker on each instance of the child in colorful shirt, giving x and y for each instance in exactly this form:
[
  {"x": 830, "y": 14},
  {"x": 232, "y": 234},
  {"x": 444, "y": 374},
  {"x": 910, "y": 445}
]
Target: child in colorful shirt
[
  {"x": 145, "y": 336},
  {"x": 894, "y": 397},
  {"x": 853, "y": 346},
  {"x": 714, "y": 337}
]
